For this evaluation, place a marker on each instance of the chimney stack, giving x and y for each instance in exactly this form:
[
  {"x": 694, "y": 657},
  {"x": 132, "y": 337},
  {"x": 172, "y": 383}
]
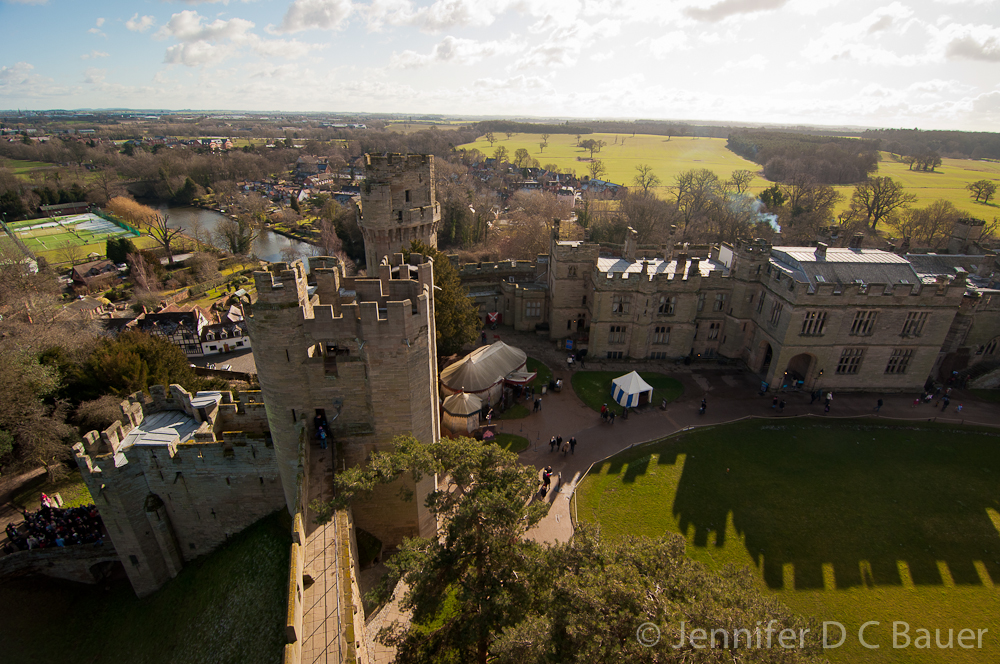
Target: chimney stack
[
  {"x": 821, "y": 251},
  {"x": 694, "y": 271},
  {"x": 682, "y": 259}
]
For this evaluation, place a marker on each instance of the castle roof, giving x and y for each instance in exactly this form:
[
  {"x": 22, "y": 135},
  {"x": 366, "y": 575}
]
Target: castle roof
[
  {"x": 613, "y": 266},
  {"x": 168, "y": 427},
  {"x": 843, "y": 265}
]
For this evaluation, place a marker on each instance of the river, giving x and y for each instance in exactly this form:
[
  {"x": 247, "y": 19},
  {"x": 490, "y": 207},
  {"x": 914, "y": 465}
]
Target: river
[{"x": 200, "y": 223}]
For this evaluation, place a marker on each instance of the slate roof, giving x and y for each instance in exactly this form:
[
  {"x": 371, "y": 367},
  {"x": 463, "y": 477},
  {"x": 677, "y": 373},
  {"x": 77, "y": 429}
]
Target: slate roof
[{"x": 843, "y": 266}]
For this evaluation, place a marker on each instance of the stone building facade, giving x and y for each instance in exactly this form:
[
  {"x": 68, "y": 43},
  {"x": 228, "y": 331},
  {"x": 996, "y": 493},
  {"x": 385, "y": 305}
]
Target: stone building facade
[
  {"x": 178, "y": 475},
  {"x": 800, "y": 317},
  {"x": 398, "y": 205},
  {"x": 360, "y": 353}
]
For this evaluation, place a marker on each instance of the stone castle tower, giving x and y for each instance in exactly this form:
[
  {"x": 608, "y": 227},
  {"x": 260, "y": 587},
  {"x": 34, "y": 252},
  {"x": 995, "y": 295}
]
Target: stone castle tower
[
  {"x": 359, "y": 352},
  {"x": 398, "y": 205}
]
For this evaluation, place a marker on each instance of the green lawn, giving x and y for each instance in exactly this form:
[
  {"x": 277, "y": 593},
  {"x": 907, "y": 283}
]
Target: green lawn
[
  {"x": 512, "y": 442},
  {"x": 847, "y": 521},
  {"x": 594, "y": 388},
  {"x": 228, "y": 606},
  {"x": 72, "y": 490}
]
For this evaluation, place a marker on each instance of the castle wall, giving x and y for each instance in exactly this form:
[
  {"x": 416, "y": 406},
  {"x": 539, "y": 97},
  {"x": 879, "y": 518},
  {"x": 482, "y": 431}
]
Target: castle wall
[{"x": 165, "y": 503}]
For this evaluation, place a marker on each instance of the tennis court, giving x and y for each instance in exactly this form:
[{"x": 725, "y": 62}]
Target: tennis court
[{"x": 57, "y": 232}]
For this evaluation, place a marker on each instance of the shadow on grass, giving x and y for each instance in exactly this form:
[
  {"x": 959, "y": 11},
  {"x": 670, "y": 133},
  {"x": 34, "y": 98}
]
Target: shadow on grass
[{"x": 880, "y": 504}]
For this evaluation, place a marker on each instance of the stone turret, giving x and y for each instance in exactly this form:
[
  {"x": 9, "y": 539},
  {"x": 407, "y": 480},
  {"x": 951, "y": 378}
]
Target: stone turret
[
  {"x": 360, "y": 353},
  {"x": 398, "y": 204}
]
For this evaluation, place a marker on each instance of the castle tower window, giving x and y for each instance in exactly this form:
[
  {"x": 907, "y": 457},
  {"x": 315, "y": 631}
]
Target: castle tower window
[
  {"x": 713, "y": 331},
  {"x": 914, "y": 324},
  {"x": 406, "y": 195},
  {"x": 720, "y": 302},
  {"x": 850, "y": 360},
  {"x": 620, "y": 304},
  {"x": 776, "y": 312},
  {"x": 667, "y": 305},
  {"x": 899, "y": 361},
  {"x": 701, "y": 301},
  {"x": 661, "y": 335},
  {"x": 814, "y": 323},
  {"x": 864, "y": 323},
  {"x": 617, "y": 334}
]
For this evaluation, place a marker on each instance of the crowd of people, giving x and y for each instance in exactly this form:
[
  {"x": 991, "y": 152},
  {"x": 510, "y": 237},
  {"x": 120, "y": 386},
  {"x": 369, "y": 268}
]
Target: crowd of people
[{"x": 54, "y": 527}]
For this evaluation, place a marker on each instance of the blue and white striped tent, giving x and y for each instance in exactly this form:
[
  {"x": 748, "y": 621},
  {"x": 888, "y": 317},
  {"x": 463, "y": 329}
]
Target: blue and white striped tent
[{"x": 630, "y": 390}]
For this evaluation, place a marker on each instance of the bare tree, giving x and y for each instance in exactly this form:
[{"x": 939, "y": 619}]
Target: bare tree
[
  {"x": 163, "y": 234},
  {"x": 237, "y": 235},
  {"x": 878, "y": 199},
  {"x": 491, "y": 138},
  {"x": 928, "y": 227},
  {"x": 597, "y": 169},
  {"x": 645, "y": 178},
  {"x": 143, "y": 274},
  {"x": 740, "y": 180}
]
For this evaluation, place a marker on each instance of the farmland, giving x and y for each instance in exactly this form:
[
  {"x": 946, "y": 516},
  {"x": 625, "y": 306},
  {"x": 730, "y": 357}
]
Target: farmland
[{"x": 674, "y": 155}]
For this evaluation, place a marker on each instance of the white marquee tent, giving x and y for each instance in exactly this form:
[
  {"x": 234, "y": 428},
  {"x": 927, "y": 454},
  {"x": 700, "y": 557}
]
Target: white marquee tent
[
  {"x": 461, "y": 412},
  {"x": 631, "y": 390}
]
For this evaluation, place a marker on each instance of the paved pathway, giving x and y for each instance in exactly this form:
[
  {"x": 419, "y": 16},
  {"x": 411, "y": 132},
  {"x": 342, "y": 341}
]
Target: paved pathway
[{"x": 731, "y": 393}]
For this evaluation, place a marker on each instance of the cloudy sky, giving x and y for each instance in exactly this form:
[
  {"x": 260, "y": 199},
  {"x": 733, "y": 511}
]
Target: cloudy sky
[{"x": 907, "y": 63}]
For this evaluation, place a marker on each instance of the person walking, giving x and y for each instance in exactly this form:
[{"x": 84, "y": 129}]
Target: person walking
[
  {"x": 774, "y": 402},
  {"x": 781, "y": 406},
  {"x": 552, "y": 444},
  {"x": 878, "y": 405},
  {"x": 604, "y": 412},
  {"x": 829, "y": 398},
  {"x": 611, "y": 416},
  {"x": 945, "y": 401},
  {"x": 565, "y": 448},
  {"x": 572, "y": 444},
  {"x": 703, "y": 408}
]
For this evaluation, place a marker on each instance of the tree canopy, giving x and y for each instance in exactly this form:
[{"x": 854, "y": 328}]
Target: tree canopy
[
  {"x": 479, "y": 591},
  {"x": 455, "y": 315}
]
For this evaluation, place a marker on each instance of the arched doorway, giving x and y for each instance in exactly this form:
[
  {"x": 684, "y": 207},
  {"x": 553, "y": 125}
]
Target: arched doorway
[
  {"x": 766, "y": 354},
  {"x": 798, "y": 373}
]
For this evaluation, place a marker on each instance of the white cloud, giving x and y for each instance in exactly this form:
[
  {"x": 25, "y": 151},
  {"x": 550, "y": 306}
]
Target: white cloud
[
  {"x": 858, "y": 41},
  {"x": 93, "y": 55},
  {"x": 100, "y": 22},
  {"x": 757, "y": 62},
  {"x": 136, "y": 24},
  {"x": 971, "y": 42},
  {"x": 668, "y": 43},
  {"x": 27, "y": 2},
  {"x": 456, "y": 51},
  {"x": 94, "y": 76},
  {"x": 203, "y": 43},
  {"x": 603, "y": 57},
  {"x": 441, "y": 15},
  {"x": 563, "y": 45},
  {"x": 19, "y": 79},
  {"x": 726, "y": 8},
  {"x": 315, "y": 14}
]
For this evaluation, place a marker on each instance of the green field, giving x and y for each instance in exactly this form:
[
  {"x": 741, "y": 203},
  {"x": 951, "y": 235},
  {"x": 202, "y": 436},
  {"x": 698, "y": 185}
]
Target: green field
[
  {"x": 947, "y": 181},
  {"x": 22, "y": 168},
  {"x": 847, "y": 521},
  {"x": 228, "y": 606},
  {"x": 678, "y": 154},
  {"x": 51, "y": 243},
  {"x": 667, "y": 157}
]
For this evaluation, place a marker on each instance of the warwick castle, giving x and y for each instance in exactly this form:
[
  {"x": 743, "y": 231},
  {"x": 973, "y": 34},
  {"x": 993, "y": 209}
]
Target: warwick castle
[{"x": 182, "y": 472}]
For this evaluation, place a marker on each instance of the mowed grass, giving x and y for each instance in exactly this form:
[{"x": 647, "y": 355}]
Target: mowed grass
[
  {"x": 847, "y": 521},
  {"x": 668, "y": 158},
  {"x": 594, "y": 388},
  {"x": 228, "y": 606},
  {"x": 679, "y": 154},
  {"x": 948, "y": 182},
  {"x": 71, "y": 489}
]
